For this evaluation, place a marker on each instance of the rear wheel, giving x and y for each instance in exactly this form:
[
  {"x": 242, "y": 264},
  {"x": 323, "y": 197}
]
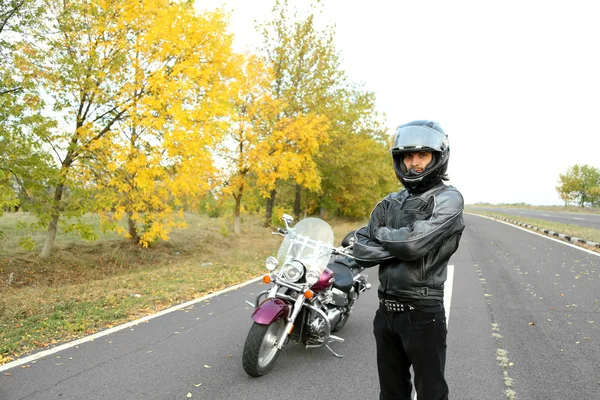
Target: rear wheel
[
  {"x": 353, "y": 295},
  {"x": 341, "y": 322},
  {"x": 260, "y": 349}
]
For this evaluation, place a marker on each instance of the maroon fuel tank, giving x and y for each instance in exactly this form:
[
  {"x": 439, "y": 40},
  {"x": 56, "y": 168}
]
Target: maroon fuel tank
[{"x": 324, "y": 282}]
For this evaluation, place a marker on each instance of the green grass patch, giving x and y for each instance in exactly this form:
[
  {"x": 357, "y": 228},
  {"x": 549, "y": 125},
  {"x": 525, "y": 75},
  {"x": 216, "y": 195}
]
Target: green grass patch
[
  {"x": 588, "y": 234},
  {"x": 86, "y": 286}
]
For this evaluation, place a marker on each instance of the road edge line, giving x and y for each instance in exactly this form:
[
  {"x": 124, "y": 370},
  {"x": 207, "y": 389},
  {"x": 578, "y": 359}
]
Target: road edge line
[
  {"x": 448, "y": 285},
  {"x": 535, "y": 233},
  {"x": 45, "y": 353}
]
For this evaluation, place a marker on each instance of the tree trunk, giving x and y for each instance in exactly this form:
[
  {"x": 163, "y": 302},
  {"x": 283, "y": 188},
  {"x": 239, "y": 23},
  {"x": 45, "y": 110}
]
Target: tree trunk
[
  {"x": 53, "y": 225},
  {"x": 297, "y": 202},
  {"x": 238, "y": 209},
  {"x": 270, "y": 205},
  {"x": 133, "y": 232},
  {"x": 322, "y": 207}
]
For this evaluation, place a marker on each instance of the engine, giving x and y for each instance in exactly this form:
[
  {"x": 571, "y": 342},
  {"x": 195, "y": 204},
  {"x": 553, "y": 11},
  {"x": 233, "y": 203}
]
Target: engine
[
  {"x": 317, "y": 325},
  {"x": 333, "y": 303}
]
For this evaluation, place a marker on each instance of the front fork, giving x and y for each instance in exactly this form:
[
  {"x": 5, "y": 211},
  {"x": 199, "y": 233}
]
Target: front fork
[{"x": 289, "y": 326}]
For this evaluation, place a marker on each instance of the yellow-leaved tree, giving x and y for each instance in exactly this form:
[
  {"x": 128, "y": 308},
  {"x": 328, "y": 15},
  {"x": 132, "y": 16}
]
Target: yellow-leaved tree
[
  {"x": 134, "y": 88},
  {"x": 306, "y": 67},
  {"x": 289, "y": 153},
  {"x": 248, "y": 127},
  {"x": 161, "y": 154}
]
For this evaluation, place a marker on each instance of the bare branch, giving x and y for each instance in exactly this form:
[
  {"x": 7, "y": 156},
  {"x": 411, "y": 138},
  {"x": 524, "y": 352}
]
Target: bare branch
[
  {"x": 19, "y": 181},
  {"x": 10, "y": 14},
  {"x": 7, "y": 91}
]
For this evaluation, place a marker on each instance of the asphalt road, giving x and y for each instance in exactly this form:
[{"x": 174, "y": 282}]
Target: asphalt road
[
  {"x": 523, "y": 319},
  {"x": 581, "y": 219}
]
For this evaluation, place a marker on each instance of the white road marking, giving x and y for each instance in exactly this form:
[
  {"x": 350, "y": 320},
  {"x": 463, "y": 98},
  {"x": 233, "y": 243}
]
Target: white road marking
[
  {"x": 448, "y": 291},
  {"x": 447, "y": 300},
  {"x": 45, "y": 353},
  {"x": 546, "y": 215},
  {"x": 580, "y": 219}
]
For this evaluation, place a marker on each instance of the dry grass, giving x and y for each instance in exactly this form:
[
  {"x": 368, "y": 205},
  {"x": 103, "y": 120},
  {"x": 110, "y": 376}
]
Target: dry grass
[{"x": 88, "y": 286}]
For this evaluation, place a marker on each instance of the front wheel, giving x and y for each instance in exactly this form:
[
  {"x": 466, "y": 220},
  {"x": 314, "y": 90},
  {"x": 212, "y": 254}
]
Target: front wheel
[{"x": 260, "y": 349}]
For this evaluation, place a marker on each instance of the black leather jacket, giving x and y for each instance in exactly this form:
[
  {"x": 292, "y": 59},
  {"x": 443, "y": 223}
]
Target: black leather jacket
[{"x": 411, "y": 237}]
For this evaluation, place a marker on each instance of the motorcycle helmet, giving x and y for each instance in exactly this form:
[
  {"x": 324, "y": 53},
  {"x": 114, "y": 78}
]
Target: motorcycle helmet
[{"x": 417, "y": 136}]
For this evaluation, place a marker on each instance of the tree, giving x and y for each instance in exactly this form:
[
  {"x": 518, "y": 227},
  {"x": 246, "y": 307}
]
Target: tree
[
  {"x": 127, "y": 83},
  {"x": 355, "y": 165},
  {"x": 161, "y": 154},
  {"x": 306, "y": 67},
  {"x": 580, "y": 183},
  {"x": 22, "y": 161},
  {"x": 252, "y": 107},
  {"x": 291, "y": 152}
]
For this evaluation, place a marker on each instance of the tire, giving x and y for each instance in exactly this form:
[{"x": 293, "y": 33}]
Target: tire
[
  {"x": 341, "y": 322},
  {"x": 345, "y": 317},
  {"x": 260, "y": 352}
]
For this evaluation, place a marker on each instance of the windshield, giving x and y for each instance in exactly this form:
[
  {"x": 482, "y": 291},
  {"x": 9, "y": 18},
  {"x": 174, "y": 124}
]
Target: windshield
[{"x": 310, "y": 242}]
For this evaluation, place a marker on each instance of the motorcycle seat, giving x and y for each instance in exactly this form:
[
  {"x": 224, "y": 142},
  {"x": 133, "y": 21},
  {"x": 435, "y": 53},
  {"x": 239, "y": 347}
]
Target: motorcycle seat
[{"x": 343, "y": 276}]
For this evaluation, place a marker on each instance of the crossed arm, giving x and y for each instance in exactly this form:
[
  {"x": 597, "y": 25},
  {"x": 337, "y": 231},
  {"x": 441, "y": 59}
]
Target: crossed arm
[{"x": 378, "y": 242}]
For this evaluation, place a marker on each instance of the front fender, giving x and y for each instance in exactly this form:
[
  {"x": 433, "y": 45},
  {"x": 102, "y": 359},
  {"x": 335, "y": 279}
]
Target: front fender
[{"x": 270, "y": 310}]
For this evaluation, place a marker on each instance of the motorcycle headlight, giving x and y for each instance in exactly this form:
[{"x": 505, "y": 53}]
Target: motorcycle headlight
[
  {"x": 312, "y": 277},
  {"x": 271, "y": 263},
  {"x": 293, "y": 271}
]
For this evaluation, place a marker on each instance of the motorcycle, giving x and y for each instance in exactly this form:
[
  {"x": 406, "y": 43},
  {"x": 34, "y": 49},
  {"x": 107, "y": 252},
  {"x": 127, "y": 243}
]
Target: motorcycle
[{"x": 312, "y": 294}]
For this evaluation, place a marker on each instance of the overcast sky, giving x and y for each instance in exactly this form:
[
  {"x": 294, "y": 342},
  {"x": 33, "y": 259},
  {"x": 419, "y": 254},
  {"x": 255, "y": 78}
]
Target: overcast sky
[{"x": 515, "y": 84}]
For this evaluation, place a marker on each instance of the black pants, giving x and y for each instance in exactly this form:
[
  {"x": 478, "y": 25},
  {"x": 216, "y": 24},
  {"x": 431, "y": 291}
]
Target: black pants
[{"x": 408, "y": 338}]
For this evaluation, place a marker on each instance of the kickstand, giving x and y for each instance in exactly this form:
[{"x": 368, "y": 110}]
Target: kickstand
[{"x": 333, "y": 352}]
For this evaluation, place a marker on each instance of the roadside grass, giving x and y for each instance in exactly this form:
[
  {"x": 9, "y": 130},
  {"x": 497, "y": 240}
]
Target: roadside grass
[
  {"x": 85, "y": 286},
  {"x": 589, "y": 234}
]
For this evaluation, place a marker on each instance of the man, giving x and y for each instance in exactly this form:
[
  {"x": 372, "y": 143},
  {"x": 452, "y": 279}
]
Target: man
[{"x": 411, "y": 236}]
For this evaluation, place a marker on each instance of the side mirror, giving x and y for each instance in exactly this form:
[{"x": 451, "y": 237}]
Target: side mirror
[
  {"x": 288, "y": 219},
  {"x": 348, "y": 239}
]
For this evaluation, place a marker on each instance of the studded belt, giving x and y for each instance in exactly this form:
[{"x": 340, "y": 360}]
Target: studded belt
[{"x": 394, "y": 306}]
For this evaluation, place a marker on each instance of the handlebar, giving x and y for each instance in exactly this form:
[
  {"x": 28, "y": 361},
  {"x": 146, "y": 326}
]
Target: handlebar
[{"x": 343, "y": 251}]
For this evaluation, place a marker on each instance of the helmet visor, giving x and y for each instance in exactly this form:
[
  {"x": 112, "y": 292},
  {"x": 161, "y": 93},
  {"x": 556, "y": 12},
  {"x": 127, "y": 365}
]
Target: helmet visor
[{"x": 418, "y": 138}]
